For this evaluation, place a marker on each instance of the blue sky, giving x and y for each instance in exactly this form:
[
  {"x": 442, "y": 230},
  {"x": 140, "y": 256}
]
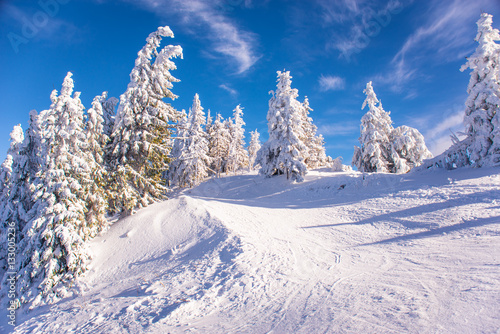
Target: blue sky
[{"x": 411, "y": 50}]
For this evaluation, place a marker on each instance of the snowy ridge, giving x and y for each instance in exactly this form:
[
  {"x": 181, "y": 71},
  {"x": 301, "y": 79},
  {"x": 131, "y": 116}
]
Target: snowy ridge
[{"x": 339, "y": 252}]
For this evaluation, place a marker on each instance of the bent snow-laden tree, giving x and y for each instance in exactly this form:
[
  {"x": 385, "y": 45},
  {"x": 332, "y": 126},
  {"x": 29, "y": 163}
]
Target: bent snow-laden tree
[
  {"x": 383, "y": 148},
  {"x": 138, "y": 155},
  {"x": 284, "y": 152}
]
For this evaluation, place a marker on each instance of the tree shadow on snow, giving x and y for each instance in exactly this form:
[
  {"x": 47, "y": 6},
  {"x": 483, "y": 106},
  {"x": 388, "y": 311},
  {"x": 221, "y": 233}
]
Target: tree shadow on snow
[
  {"x": 400, "y": 216},
  {"x": 465, "y": 224}
]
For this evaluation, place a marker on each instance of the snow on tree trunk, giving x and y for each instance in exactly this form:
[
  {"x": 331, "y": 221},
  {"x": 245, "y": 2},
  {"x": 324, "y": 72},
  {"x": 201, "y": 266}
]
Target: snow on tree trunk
[
  {"x": 141, "y": 141},
  {"x": 284, "y": 152}
]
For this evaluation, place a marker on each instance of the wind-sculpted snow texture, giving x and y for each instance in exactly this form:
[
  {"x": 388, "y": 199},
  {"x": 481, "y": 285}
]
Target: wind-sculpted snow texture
[{"x": 337, "y": 253}]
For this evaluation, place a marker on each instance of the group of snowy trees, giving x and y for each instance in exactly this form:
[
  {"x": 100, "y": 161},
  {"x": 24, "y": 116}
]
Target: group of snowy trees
[
  {"x": 204, "y": 147},
  {"x": 71, "y": 169},
  {"x": 383, "y": 147}
]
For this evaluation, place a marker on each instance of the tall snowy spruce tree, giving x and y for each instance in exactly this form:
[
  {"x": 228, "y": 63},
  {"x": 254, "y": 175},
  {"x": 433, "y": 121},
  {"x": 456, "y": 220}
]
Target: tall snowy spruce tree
[
  {"x": 315, "y": 143},
  {"x": 284, "y": 152},
  {"x": 141, "y": 141},
  {"x": 219, "y": 140},
  {"x": 383, "y": 148},
  {"x": 253, "y": 148},
  {"x": 483, "y": 104},
  {"x": 6, "y": 183},
  {"x": 374, "y": 155},
  {"x": 191, "y": 162},
  {"x": 54, "y": 251},
  {"x": 237, "y": 158},
  {"x": 96, "y": 187}
]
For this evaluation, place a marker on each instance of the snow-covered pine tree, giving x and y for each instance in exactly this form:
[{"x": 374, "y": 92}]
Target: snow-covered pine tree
[
  {"x": 97, "y": 186},
  {"x": 108, "y": 113},
  {"x": 315, "y": 143},
  {"x": 6, "y": 181},
  {"x": 284, "y": 152},
  {"x": 179, "y": 144},
  {"x": 54, "y": 252},
  {"x": 483, "y": 103},
  {"x": 139, "y": 153},
  {"x": 374, "y": 155},
  {"x": 209, "y": 122},
  {"x": 219, "y": 140},
  {"x": 193, "y": 161},
  {"x": 253, "y": 148},
  {"x": 408, "y": 149},
  {"x": 237, "y": 156}
]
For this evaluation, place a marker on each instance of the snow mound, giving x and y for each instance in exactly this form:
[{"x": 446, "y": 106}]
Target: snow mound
[{"x": 339, "y": 252}]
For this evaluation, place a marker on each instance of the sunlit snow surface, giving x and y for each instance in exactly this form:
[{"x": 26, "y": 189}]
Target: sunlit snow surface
[{"x": 416, "y": 253}]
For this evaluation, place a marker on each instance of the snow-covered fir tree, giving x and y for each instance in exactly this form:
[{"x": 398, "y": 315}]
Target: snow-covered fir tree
[
  {"x": 237, "y": 156},
  {"x": 192, "y": 160},
  {"x": 253, "y": 148},
  {"x": 96, "y": 187},
  {"x": 482, "y": 121},
  {"x": 383, "y": 148},
  {"x": 6, "y": 181},
  {"x": 408, "y": 149},
  {"x": 178, "y": 147},
  {"x": 284, "y": 152},
  {"x": 108, "y": 113},
  {"x": 483, "y": 103},
  {"x": 315, "y": 143},
  {"x": 219, "y": 139},
  {"x": 54, "y": 251},
  {"x": 141, "y": 141},
  {"x": 374, "y": 154}
]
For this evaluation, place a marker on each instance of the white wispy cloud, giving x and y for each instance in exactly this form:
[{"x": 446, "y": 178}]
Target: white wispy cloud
[
  {"x": 330, "y": 82},
  {"x": 205, "y": 19},
  {"x": 446, "y": 35},
  {"x": 437, "y": 127},
  {"x": 228, "y": 89},
  {"x": 355, "y": 22},
  {"x": 338, "y": 129}
]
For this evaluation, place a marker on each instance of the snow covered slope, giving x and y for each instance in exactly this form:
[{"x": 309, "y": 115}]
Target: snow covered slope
[{"x": 338, "y": 253}]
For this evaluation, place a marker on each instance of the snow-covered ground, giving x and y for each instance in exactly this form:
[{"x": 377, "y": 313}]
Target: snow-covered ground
[{"x": 338, "y": 253}]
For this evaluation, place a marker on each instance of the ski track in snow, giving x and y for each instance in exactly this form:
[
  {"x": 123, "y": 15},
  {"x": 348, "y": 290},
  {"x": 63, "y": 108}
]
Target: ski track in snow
[{"x": 415, "y": 253}]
